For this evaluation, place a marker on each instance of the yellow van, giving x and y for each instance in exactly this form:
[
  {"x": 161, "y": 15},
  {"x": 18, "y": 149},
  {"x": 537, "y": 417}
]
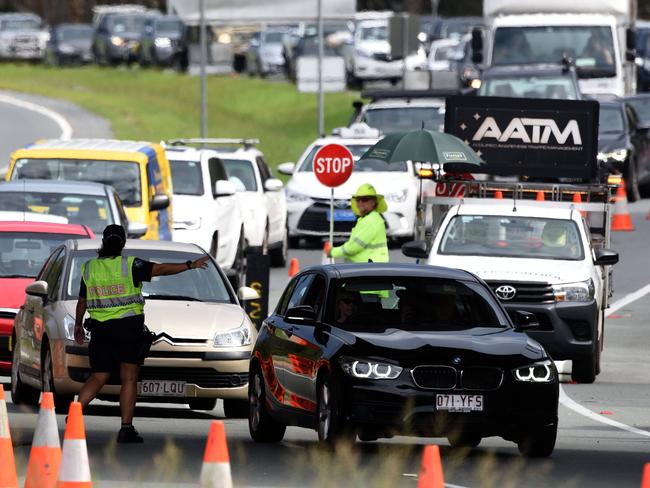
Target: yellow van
[{"x": 139, "y": 171}]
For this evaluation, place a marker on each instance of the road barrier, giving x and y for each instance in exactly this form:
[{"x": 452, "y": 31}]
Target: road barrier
[
  {"x": 258, "y": 267},
  {"x": 45, "y": 454},
  {"x": 75, "y": 470},
  {"x": 215, "y": 472},
  {"x": 621, "y": 218},
  {"x": 8, "y": 478},
  {"x": 431, "y": 470}
]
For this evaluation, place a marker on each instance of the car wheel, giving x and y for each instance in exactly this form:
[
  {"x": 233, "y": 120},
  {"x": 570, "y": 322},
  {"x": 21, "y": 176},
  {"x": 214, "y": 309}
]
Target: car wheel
[
  {"x": 585, "y": 368},
  {"x": 280, "y": 255},
  {"x": 632, "y": 182},
  {"x": 203, "y": 403},
  {"x": 538, "y": 442},
  {"x": 331, "y": 426},
  {"x": 463, "y": 439},
  {"x": 262, "y": 427},
  {"x": 20, "y": 392},
  {"x": 61, "y": 402},
  {"x": 235, "y": 409},
  {"x": 294, "y": 242}
]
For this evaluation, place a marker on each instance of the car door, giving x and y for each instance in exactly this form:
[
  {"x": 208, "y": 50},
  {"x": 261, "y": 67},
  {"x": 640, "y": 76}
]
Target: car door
[
  {"x": 276, "y": 206},
  {"x": 305, "y": 351}
]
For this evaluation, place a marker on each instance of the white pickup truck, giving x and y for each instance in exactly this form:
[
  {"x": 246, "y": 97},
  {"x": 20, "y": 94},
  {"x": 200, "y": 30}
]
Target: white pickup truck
[{"x": 541, "y": 257}]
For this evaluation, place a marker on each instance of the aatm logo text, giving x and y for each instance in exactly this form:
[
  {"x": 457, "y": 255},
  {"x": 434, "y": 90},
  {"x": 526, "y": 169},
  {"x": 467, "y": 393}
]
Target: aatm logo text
[{"x": 528, "y": 130}]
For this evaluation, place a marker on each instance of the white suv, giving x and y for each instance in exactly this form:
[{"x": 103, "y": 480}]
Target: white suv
[
  {"x": 206, "y": 209},
  {"x": 260, "y": 196}
]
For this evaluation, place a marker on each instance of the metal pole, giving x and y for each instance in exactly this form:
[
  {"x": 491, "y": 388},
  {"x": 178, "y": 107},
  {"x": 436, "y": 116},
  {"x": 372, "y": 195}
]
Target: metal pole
[
  {"x": 405, "y": 47},
  {"x": 204, "y": 55},
  {"x": 332, "y": 220},
  {"x": 321, "y": 95}
]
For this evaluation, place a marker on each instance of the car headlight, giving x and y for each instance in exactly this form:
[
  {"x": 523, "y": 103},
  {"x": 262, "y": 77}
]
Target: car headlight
[
  {"x": 398, "y": 196},
  {"x": 541, "y": 372},
  {"x": 619, "y": 155},
  {"x": 117, "y": 41},
  {"x": 241, "y": 336},
  {"x": 190, "y": 224},
  {"x": 163, "y": 42},
  {"x": 370, "y": 370},
  {"x": 582, "y": 291},
  {"x": 363, "y": 54},
  {"x": 294, "y": 196},
  {"x": 67, "y": 49},
  {"x": 68, "y": 327}
]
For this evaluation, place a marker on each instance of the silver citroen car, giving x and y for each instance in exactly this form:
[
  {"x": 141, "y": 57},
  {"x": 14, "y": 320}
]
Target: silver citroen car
[{"x": 203, "y": 336}]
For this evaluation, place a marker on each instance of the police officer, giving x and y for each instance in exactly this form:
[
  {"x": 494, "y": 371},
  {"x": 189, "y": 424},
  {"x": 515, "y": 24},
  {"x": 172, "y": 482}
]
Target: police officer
[
  {"x": 110, "y": 291},
  {"x": 367, "y": 241}
]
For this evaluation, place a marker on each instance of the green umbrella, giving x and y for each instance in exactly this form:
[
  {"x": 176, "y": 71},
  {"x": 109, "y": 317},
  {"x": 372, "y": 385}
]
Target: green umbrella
[{"x": 427, "y": 147}]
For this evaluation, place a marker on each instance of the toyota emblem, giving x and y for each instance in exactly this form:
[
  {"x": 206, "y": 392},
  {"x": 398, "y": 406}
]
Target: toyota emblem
[
  {"x": 506, "y": 292},
  {"x": 341, "y": 203}
]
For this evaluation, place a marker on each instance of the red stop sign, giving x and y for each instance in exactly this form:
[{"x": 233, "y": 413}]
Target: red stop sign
[{"x": 333, "y": 165}]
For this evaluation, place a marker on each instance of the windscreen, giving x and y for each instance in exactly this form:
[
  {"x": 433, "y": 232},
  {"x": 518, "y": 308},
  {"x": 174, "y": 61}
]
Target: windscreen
[
  {"x": 241, "y": 174},
  {"x": 591, "y": 47},
  {"x": 169, "y": 27},
  {"x": 375, "y": 304},
  {"x": 273, "y": 37},
  {"x": 22, "y": 254},
  {"x": 123, "y": 176},
  {"x": 202, "y": 285},
  {"x": 610, "y": 120},
  {"x": 20, "y": 24},
  {"x": 374, "y": 33},
  {"x": 91, "y": 210},
  {"x": 128, "y": 24},
  {"x": 513, "y": 237},
  {"x": 641, "y": 106},
  {"x": 357, "y": 151},
  {"x": 75, "y": 34},
  {"x": 186, "y": 177},
  {"x": 557, "y": 87},
  {"x": 405, "y": 119}
]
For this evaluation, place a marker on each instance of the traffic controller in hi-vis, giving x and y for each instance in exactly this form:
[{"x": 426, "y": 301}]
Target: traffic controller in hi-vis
[{"x": 333, "y": 165}]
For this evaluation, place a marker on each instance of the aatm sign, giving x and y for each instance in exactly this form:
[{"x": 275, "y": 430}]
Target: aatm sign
[{"x": 333, "y": 165}]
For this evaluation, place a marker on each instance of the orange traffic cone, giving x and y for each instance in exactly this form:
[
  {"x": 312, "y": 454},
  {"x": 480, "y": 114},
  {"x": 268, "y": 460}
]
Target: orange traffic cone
[
  {"x": 540, "y": 196},
  {"x": 8, "y": 478},
  {"x": 645, "y": 480},
  {"x": 498, "y": 195},
  {"x": 621, "y": 219},
  {"x": 294, "y": 267},
  {"x": 45, "y": 455},
  {"x": 577, "y": 198},
  {"x": 75, "y": 470},
  {"x": 327, "y": 247},
  {"x": 215, "y": 471},
  {"x": 431, "y": 470}
]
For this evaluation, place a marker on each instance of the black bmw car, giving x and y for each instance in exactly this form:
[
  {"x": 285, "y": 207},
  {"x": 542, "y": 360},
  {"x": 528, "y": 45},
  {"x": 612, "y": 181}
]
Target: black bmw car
[{"x": 380, "y": 349}]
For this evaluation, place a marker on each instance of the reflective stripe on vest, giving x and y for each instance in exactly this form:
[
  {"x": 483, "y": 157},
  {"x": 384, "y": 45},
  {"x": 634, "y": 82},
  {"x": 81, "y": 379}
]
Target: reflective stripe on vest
[{"x": 110, "y": 292}]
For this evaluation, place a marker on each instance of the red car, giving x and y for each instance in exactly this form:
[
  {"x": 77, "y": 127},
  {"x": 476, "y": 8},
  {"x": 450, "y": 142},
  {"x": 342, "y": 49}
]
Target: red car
[{"x": 24, "y": 247}]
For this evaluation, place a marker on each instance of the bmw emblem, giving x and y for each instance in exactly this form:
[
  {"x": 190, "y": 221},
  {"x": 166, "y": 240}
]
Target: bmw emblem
[
  {"x": 456, "y": 360},
  {"x": 506, "y": 292}
]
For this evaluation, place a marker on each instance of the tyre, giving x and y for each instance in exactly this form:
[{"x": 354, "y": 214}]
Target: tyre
[
  {"x": 262, "y": 427},
  {"x": 585, "y": 368},
  {"x": 463, "y": 439},
  {"x": 235, "y": 409},
  {"x": 632, "y": 182},
  {"x": 61, "y": 402},
  {"x": 203, "y": 403},
  {"x": 294, "y": 242},
  {"x": 280, "y": 255},
  {"x": 332, "y": 428},
  {"x": 20, "y": 392},
  {"x": 538, "y": 442}
]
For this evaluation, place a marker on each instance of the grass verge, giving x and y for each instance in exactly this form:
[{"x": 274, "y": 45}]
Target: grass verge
[{"x": 156, "y": 105}]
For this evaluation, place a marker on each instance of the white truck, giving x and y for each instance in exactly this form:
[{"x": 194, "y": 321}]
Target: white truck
[
  {"x": 598, "y": 35},
  {"x": 540, "y": 257}
]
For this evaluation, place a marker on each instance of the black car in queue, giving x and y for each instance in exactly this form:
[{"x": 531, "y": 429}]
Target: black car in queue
[
  {"x": 624, "y": 146},
  {"x": 376, "y": 350}
]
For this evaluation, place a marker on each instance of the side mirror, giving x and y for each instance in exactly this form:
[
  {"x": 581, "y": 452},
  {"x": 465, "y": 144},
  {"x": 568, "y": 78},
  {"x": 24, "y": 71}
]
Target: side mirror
[
  {"x": 287, "y": 168},
  {"x": 630, "y": 44},
  {"x": 415, "y": 249},
  {"x": 477, "y": 46},
  {"x": 606, "y": 257},
  {"x": 37, "y": 289},
  {"x": 135, "y": 230},
  {"x": 525, "y": 320},
  {"x": 246, "y": 293},
  {"x": 224, "y": 188},
  {"x": 300, "y": 314},
  {"x": 273, "y": 184},
  {"x": 158, "y": 202}
]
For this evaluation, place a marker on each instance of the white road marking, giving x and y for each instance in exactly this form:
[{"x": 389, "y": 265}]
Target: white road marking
[
  {"x": 576, "y": 407},
  {"x": 627, "y": 299},
  {"x": 64, "y": 125}
]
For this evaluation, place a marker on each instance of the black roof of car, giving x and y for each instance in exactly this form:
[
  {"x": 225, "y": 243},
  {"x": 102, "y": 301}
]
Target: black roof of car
[{"x": 354, "y": 270}]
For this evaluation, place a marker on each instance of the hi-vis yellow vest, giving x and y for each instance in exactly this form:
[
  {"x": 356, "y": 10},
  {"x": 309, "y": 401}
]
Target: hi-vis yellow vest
[
  {"x": 367, "y": 241},
  {"x": 110, "y": 292}
]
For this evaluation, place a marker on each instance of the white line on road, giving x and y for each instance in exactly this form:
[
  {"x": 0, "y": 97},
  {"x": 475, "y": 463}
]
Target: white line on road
[
  {"x": 627, "y": 299},
  {"x": 66, "y": 128}
]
